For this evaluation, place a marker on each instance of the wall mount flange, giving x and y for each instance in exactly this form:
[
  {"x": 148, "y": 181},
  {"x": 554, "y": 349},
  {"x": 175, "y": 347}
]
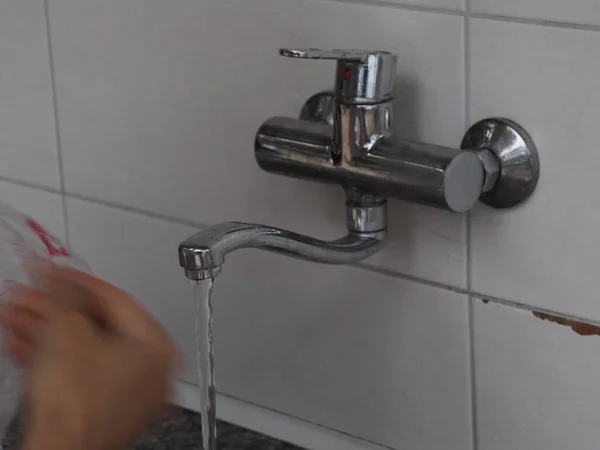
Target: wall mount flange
[
  {"x": 319, "y": 108},
  {"x": 517, "y": 155}
]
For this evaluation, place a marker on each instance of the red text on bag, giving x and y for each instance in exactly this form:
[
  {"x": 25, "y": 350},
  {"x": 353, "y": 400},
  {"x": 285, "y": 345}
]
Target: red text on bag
[{"x": 54, "y": 249}]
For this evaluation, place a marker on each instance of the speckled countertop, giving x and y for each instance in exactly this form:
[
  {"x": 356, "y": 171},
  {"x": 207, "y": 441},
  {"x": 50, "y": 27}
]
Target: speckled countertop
[{"x": 180, "y": 430}]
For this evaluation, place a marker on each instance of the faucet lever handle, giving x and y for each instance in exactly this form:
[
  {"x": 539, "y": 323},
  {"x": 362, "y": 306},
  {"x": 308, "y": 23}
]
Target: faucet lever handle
[
  {"x": 363, "y": 77},
  {"x": 316, "y": 53}
]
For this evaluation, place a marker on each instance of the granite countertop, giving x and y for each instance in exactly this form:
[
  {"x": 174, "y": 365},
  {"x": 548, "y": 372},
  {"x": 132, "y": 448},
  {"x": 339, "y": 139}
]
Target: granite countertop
[{"x": 180, "y": 430}]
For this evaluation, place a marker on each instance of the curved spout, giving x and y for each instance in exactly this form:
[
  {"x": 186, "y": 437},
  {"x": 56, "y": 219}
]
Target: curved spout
[{"x": 203, "y": 254}]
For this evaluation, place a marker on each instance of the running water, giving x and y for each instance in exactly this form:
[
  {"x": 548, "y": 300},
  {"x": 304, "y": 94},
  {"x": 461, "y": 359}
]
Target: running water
[{"x": 206, "y": 366}]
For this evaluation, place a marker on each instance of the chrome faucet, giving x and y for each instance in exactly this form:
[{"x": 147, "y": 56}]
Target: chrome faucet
[
  {"x": 203, "y": 254},
  {"x": 346, "y": 137}
]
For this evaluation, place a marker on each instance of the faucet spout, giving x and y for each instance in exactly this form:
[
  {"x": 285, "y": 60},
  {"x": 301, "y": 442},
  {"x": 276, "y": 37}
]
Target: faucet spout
[{"x": 203, "y": 254}]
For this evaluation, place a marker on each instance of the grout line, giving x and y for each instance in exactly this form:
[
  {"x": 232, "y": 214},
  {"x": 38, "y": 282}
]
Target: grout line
[
  {"x": 474, "y": 294},
  {"x": 96, "y": 201},
  {"x": 467, "y": 122},
  {"x": 324, "y": 427},
  {"x": 56, "y": 120},
  {"x": 30, "y": 185},
  {"x": 139, "y": 211},
  {"x": 473, "y": 374},
  {"x": 468, "y": 228},
  {"x": 493, "y": 17},
  {"x": 270, "y": 422},
  {"x": 402, "y": 276},
  {"x": 536, "y": 22},
  {"x": 530, "y": 308},
  {"x": 361, "y": 266},
  {"x": 404, "y": 6}
]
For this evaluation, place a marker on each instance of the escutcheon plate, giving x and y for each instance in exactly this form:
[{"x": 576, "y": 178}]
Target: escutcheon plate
[{"x": 518, "y": 157}]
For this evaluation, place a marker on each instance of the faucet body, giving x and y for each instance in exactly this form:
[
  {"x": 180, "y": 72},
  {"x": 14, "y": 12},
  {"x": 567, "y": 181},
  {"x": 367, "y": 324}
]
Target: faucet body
[
  {"x": 355, "y": 147},
  {"x": 388, "y": 166}
]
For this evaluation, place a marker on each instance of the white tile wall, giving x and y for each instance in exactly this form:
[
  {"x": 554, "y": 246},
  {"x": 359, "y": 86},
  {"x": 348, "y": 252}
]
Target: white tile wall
[
  {"x": 369, "y": 355},
  {"x": 537, "y": 382},
  {"x": 27, "y": 130},
  {"x": 157, "y": 107},
  {"x": 545, "y": 253}
]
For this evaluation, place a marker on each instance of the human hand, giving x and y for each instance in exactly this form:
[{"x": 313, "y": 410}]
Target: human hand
[{"x": 99, "y": 368}]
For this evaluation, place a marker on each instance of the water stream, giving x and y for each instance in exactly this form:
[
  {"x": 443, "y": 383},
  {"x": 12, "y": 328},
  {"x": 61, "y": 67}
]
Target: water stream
[{"x": 206, "y": 366}]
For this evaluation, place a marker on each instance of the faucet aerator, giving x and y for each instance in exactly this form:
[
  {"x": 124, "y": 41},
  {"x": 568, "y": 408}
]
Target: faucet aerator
[{"x": 202, "y": 274}]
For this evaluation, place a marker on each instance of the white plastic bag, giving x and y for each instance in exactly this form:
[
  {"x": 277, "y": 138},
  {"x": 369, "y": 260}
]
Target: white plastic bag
[{"x": 22, "y": 241}]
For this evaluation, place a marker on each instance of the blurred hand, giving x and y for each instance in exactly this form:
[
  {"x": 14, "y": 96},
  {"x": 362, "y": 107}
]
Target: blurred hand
[{"x": 99, "y": 368}]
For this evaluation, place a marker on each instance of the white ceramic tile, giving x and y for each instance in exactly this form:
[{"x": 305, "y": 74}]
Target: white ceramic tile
[
  {"x": 377, "y": 357},
  {"x": 572, "y": 11},
  {"x": 537, "y": 382},
  {"x": 546, "y": 252},
  {"x": 160, "y": 113},
  {"x": 425, "y": 242},
  {"x": 45, "y": 207},
  {"x": 369, "y": 355},
  {"x": 27, "y": 134}
]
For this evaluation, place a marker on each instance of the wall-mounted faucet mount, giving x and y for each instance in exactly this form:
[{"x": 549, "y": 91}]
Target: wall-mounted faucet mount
[{"x": 345, "y": 136}]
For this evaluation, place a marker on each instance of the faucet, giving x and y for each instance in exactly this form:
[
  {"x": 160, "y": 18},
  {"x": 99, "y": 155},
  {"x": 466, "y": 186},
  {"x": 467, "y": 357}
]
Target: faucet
[
  {"x": 202, "y": 255},
  {"x": 345, "y": 137}
]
